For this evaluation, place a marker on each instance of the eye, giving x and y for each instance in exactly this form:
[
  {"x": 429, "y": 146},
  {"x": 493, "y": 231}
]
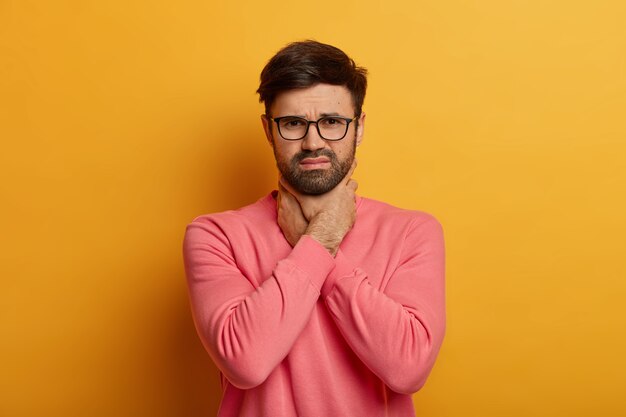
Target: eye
[
  {"x": 332, "y": 122},
  {"x": 292, "y": 122}
]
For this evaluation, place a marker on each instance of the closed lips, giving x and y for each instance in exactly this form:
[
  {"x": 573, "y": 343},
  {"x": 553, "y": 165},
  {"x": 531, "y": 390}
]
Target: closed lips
[{"x": 314, "y": 161}]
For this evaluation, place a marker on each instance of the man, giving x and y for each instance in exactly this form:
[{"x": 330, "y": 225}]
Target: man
[{"x": 314, "y": 301}]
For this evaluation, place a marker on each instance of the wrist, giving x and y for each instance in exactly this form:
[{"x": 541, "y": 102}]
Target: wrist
[{"x": 322, "y": 236}]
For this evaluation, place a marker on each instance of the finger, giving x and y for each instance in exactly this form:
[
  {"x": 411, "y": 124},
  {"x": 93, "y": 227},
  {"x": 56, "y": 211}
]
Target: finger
[
  {"x": 285, "y": 186},
  {"x": 350, "y": 171},
  {"x": 286, "y": 193},
  {"x": 279, "y": 198},
  {"x": 352, "y": 185},
  {"x": 282, "y": 188},
  {"x": 353, "y": 167},
  {"x": 288, "y": 199},
  {"x": 290, "y": 191}
]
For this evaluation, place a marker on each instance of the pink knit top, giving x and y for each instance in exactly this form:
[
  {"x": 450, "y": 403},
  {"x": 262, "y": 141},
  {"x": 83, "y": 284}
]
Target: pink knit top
[{"x": 298, "y": 332}]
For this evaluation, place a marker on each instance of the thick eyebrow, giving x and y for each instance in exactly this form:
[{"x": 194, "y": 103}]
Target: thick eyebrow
[
  {"x": 291, "y": 115},
  {"x": 321, "y": 115}
]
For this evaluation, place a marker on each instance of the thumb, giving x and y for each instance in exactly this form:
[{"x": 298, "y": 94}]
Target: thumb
[
  {"x": 352, "y": 185},
  {"x": 350, "y": 171}
]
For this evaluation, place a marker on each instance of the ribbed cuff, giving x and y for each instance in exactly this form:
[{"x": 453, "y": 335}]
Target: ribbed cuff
[
  {"x": 310, "y": 257},
  {"x": 343, "y": 268}
]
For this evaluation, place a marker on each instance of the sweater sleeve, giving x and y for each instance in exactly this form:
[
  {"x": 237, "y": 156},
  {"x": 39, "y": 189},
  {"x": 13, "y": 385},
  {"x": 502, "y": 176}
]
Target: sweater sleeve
[
  {"x": 396, "y": 332},
  {"x": 248, "y": 330}
]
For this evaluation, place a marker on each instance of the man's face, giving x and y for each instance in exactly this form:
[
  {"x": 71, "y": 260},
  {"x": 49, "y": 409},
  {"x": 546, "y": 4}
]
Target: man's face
[{"x": 313, "y": 165}]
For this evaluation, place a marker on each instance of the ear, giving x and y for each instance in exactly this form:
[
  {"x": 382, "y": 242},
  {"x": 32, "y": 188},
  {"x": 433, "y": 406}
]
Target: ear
[
  {"x": 360, "y": 129},
  {"x": 267, "y": 128}
]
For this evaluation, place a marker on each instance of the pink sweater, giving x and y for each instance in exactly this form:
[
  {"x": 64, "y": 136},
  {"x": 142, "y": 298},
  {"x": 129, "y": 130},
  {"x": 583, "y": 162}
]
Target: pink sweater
[{"x": 298, "y": 332}]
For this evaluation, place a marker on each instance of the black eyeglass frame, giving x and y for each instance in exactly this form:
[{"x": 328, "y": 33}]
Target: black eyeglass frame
[{"x": 315, "y": 122}]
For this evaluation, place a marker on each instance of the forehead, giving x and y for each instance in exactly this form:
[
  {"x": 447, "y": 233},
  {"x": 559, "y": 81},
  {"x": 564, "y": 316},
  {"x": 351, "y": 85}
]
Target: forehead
[{"x": 313, "y": 101}]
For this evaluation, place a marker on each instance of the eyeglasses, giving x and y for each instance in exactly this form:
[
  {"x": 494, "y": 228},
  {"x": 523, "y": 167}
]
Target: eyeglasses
[{"x": 328, "y": 127}]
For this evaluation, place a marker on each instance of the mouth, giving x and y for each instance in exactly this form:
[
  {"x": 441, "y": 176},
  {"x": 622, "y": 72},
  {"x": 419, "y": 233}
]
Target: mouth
[{"x": 315, "y": 163}]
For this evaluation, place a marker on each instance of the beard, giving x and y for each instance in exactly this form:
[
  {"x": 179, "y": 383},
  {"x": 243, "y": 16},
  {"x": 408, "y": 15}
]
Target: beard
[{"x": 315, "y": 181}]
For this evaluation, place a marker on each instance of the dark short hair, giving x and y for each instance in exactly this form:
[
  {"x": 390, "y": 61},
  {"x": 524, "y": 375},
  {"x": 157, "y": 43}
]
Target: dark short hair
[{"x": 306, "y": 63}]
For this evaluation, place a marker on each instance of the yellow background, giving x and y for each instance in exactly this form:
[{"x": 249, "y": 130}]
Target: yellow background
[{"x": 122, "y": 120}]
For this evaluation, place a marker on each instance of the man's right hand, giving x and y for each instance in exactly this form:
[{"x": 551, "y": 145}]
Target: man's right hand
[
  {"x": 330, "y": 215},
  {"x": 291, "y": 220}
]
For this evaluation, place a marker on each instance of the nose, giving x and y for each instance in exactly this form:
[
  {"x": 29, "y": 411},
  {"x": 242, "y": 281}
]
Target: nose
[{"x": 312, "y": 141}]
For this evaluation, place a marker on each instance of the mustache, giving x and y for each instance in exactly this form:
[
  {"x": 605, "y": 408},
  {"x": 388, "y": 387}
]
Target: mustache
[{"x": 314, "y": 154}]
